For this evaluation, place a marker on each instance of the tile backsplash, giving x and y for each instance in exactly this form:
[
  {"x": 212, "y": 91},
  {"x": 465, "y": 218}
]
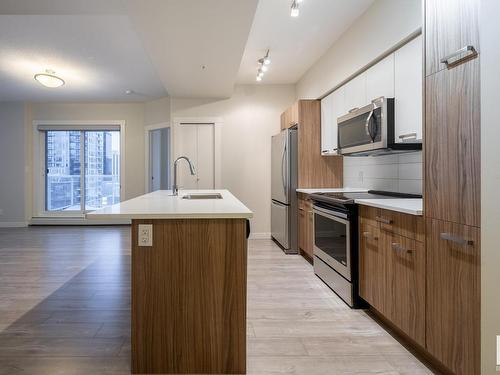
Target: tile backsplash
[{"x": 397, "y": 172}]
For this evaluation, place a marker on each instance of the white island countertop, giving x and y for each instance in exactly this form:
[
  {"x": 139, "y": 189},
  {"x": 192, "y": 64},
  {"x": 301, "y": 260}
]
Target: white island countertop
[
  {"x": 162, "y": 204},
  {"x": 412, "y": 206}
]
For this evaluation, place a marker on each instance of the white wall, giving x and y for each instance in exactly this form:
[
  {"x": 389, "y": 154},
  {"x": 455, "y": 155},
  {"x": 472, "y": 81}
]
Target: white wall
[
  {"x": 382, "y": 26},
  {"x": 157, "y": 111},
  {"x": 251, "y": 116},
  {"x": 401, "y": 173},
  {"x": 12, "y": 164},
  {"x": 131, "y": 113},
  {"x": 490, "y": 184}
]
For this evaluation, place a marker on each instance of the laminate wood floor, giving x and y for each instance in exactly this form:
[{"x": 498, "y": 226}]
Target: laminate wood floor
[{"x": 65, "y": 309}]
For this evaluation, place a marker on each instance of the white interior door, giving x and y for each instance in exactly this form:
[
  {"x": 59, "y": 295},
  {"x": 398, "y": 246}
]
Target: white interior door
[
  {"x": 205, "y": 163},
  {"x": 196, "y": 141}
]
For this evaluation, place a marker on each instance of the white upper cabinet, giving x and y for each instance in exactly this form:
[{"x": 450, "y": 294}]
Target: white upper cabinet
[
  {"x": 380, "y": 79},
  {"x": 332, "y": 107},
  {"x": 397, "y": 76},
  {"x": 355, "y": 93},
  {"x": 408, "y": 91}
]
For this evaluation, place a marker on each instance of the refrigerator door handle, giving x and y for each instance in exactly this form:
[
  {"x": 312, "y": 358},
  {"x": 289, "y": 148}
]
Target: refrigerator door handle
[{"x": 283, "y": 180}]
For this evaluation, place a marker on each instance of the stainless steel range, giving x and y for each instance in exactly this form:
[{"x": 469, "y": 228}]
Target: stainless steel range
[{"x": 336, "y": 240}]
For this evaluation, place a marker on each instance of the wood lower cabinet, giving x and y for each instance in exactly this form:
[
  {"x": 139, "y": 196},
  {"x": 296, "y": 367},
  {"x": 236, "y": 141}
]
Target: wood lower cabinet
[
  {"x": 405, "y": 305},
  {"x": 305, "y": 226},
  {"x": 392, "y": 268},
  {"x": 453, "y": 295},
  {"x": 372, "y": 263}
]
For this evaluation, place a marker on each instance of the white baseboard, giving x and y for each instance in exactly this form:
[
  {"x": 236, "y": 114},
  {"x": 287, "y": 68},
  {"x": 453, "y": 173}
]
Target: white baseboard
[
  {"x": 75, "y": 221},
  {"x": 13, "y": 224},
  {"x": 260, "y": 236}
]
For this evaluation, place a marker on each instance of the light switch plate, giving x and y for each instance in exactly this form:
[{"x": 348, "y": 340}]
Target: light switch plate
[{"x": 145, "y": 235}]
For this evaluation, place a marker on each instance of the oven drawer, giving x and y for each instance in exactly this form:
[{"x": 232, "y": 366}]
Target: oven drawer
[{"x": 337, "y": 283}]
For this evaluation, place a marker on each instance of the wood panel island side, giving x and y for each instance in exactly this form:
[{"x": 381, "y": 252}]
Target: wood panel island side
[{"x": 189, "y": 286}]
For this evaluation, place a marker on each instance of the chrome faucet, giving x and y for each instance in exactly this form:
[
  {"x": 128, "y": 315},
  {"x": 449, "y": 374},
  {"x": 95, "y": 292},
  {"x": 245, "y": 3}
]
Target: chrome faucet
[{"x": 175, "y": 188}]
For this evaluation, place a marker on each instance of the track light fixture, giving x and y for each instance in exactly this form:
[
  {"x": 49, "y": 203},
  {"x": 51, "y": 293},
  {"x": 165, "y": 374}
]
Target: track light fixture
[{"x": 263, "y": 66}]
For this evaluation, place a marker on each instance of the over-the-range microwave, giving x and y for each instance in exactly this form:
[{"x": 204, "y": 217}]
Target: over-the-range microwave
[{"x": 370, "y": 131}]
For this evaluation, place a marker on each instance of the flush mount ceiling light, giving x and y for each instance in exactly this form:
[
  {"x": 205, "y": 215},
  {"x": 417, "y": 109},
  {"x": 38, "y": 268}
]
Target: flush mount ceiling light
[
  {"x": 49, "y": 79},
  {"x": 294, "y": 9},
  {"x": 263, "y": 66}
]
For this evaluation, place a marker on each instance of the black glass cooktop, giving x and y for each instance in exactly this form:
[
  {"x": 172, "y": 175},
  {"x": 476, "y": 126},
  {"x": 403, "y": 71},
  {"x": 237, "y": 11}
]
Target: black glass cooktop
[{"x": 346, "y": 198}]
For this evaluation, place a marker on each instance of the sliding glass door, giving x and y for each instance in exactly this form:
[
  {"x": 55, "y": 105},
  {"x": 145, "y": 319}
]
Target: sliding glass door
[{"x": 82, "y": 170}]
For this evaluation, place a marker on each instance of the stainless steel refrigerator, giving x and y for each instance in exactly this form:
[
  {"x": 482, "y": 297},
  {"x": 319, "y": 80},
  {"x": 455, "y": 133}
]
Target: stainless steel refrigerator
[{"x": 283, "y": 185}]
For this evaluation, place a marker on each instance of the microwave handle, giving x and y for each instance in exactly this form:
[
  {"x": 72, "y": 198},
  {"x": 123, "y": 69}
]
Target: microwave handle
[{"x": 367, "y": 125}]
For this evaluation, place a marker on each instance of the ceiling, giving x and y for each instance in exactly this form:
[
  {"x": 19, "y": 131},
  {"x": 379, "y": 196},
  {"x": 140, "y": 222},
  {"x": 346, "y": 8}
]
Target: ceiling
[
  {"x": 196, "y": 45},
  {"x": 183, "y": 48},
  {"x": 295, "y": 43},
  {"x": 99, "y": 57}
]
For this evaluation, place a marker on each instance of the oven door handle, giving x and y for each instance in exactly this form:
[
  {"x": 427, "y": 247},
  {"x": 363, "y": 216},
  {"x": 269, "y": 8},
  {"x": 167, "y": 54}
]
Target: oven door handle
[{"x": 337, "y": 216}]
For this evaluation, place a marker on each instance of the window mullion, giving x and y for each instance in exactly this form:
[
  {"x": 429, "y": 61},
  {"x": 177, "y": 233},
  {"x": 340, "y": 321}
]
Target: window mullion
[{"x": 82, "y": 171}]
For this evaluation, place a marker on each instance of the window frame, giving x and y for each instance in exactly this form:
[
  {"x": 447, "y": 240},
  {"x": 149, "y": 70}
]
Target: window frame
[{"x": 39, "y": 159}]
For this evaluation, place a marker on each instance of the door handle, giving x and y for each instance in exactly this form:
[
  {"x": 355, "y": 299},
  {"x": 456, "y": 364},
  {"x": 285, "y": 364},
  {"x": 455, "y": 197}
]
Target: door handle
[
  {"x": 408, "y": 136},
  {"x": 461, "y": 55},
  {"x": 283, "y": 180},
  {"x": 398, "y": 247},
  {"x": 369, "y": 235},
  {"x": 456, "y": 239},
  {"x": 383, "y": 220}
]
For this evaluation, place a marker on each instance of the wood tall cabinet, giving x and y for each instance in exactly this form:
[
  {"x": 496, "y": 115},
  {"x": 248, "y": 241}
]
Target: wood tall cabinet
[
  {"x": 452, "y": 183},
  {"x": 315, "y": 171}
]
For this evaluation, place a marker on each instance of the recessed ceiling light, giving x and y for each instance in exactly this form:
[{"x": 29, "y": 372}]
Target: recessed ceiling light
[
  {"x": 294, "y": 11},
  {"x": 49, "y": 79}
]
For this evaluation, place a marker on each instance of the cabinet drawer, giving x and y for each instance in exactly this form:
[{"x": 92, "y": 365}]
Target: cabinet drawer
[
  {"x": 405, "y": 225},
  {"x": 368, "y": 215}
]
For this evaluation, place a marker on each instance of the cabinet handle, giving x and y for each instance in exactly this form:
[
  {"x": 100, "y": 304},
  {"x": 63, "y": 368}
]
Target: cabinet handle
[
  {"x": 369, "y": 235},
  {"x": 455, "y": 58},
  {"x": 456, "y": 239},
  {"x": 353, "y": 109},
  {"x": 383, "y": 220},
  {"x": 301, "y": 209},
  {"x": 398, "y": 247},
  {"x": 408, "y": 136}
]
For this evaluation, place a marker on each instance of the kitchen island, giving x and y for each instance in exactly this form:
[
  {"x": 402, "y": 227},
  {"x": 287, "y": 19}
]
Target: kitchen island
[{"x": 189, "y": 267}]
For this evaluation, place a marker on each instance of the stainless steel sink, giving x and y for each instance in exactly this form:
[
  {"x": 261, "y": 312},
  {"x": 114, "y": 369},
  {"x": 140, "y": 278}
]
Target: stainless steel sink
[{"x": 203, "y": 196}]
